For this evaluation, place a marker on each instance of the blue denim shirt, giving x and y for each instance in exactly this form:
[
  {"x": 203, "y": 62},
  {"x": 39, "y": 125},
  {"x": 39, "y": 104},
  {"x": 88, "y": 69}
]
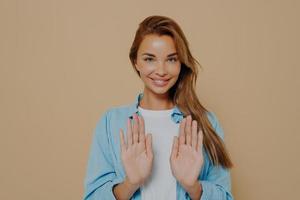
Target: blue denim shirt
[{"x": 105, "y": 169}]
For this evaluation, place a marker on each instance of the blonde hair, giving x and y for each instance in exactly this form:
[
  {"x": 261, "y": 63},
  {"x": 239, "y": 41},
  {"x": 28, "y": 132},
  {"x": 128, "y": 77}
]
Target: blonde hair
[{"x": 183, "y": 92}]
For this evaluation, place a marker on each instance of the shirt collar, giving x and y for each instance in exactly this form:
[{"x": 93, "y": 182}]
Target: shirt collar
[{"x": 176, "y": 114}]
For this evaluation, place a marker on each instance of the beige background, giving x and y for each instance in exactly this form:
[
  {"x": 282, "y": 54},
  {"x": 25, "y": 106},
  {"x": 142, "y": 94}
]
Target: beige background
[{"x": 63, "y": 62}]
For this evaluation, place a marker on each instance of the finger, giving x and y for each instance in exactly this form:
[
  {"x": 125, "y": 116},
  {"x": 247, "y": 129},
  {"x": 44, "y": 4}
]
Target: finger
[
  {"x": 142, "y": 129},
  {"x": 149, "y": 151},
  {"x": 188, "y": 130},
  {"x": 123, "y": 144},
  {"x": 194, "y": 134},
  {"x": 174, "y": 148},
  {"x": 135, "y": 129},
  {"x": 129, "y": 133},
  {"x": 200, "y": 140},
  {"x": 181, "y": 131}
]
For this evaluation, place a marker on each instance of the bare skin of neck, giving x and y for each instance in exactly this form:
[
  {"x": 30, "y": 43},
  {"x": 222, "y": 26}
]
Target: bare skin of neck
[{"x": 152, "y": 101}]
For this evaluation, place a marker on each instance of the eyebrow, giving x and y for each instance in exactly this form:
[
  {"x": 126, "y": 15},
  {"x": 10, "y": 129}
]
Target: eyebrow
[{"x": 149, "y": 54}]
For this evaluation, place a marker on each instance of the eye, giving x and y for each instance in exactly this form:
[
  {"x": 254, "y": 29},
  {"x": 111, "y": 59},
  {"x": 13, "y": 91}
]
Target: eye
[
  {"x": 148, "y": 59},
  {"x": 173, "y": 59}
]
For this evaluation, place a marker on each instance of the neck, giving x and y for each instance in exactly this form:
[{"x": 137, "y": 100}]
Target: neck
[{"x": 152, "y": 101}]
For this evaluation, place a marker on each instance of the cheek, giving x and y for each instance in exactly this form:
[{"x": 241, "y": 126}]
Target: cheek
[
  {"x": 175, "y": 70},
  {"x": 147, "y": 69}
]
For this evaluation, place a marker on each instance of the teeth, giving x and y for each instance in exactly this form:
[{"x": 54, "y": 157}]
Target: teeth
[{"x": 159, "y": 81}]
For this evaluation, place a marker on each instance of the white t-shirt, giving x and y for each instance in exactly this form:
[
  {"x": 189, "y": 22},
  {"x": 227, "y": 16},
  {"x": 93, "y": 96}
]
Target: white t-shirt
[{"x": 161, "y": 184}]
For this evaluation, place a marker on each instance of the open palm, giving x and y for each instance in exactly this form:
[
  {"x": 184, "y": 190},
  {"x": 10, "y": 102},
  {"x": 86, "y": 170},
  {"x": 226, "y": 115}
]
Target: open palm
[
  {"x": 137, "y": 154},
  {"x": 186, "y": 158}
]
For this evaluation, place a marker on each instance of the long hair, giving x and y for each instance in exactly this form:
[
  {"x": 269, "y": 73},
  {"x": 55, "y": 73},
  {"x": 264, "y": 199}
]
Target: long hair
[{"x": 182, "y": 93}]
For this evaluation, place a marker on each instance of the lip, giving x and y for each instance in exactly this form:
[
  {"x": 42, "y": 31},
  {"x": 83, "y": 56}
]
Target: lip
[{"x": 160, "y": 82}]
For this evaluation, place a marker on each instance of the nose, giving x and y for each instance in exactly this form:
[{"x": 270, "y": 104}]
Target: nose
[{"x": 161, "y": 69}]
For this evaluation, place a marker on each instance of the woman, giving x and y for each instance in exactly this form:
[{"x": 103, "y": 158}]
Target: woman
[{"x": 165, "y": 145}]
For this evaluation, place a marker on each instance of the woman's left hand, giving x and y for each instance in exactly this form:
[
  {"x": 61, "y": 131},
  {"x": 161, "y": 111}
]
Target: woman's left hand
[{"x": 186, "y": 158}]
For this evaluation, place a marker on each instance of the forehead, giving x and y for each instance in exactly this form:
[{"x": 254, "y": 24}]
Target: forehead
[{"x": 157, "y": 45}]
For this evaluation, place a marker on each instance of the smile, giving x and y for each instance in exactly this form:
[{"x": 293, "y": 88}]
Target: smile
[{"x": 159, "y": 82}]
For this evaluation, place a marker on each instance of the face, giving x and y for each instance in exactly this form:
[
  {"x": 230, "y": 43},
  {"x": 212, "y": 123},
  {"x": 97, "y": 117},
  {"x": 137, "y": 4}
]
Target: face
[{"x": 158, "y": 64}]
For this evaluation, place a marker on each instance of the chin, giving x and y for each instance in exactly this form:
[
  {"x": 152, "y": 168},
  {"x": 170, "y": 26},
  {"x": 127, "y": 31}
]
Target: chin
[{"x": 160, "y": 91}]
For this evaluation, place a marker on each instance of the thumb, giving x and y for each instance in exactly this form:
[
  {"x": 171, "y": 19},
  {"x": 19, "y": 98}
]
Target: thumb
[
  {"x": 174, "y": 148},
  {"x": 149, "y": 145},
  {"x": 122, "y": 141}
]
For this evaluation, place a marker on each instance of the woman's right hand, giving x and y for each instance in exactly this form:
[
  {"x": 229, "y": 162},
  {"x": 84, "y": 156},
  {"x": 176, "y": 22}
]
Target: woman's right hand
[{"x": 136, "y": 153}]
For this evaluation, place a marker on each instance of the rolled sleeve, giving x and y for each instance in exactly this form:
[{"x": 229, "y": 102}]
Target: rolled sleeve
[
  {"x": 100, "y": 175},
  {"x": 217, "y": 186}
]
